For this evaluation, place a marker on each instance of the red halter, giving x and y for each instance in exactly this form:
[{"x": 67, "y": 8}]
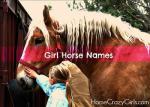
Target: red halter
[{"x": 39, "y": 70}]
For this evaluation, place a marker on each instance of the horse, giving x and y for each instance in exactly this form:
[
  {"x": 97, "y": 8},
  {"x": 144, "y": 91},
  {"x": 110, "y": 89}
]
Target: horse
[{"x": 112, "y": 54}]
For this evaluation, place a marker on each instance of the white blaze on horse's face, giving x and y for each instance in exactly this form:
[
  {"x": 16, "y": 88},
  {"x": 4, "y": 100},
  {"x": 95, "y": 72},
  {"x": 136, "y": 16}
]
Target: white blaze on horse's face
[
  {"x": 41, "y": 38},
  {"x": 32, "y": 57}
]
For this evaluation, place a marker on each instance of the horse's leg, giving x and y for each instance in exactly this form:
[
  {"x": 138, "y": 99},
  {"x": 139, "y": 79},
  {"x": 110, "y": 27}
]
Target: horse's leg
[{"x": 20, "y": 98}]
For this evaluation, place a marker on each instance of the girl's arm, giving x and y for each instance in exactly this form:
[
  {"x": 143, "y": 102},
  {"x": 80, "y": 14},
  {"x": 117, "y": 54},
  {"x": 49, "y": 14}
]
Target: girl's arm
[{"x": 42, "y": 80}]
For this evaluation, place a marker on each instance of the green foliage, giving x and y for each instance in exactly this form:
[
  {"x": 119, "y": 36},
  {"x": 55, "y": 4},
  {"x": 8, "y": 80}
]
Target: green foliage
[
  {"x": 49, "y": 7},
  {"x": 129, "y": 10}
]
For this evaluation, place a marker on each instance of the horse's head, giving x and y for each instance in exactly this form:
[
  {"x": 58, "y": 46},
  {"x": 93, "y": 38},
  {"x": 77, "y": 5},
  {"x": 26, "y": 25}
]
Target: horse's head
[{"x": 42, "y": 37}]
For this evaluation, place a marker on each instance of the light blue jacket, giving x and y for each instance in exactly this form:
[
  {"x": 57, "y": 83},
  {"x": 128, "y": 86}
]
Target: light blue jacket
[{"x": 56, "y": 92}]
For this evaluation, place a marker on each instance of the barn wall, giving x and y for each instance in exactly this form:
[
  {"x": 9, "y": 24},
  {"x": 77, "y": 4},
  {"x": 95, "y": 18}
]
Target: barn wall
[{"x": 12, "y": 33}]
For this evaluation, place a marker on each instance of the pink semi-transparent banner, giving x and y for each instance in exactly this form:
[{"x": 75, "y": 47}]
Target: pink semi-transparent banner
[{"x": 107, "y": 53}]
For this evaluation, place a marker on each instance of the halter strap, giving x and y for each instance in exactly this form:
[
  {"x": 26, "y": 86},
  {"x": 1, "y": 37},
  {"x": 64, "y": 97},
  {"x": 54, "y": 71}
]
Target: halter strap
[
  {"x": 29, "y": 65},
  {"x": 39, "y": 70}
]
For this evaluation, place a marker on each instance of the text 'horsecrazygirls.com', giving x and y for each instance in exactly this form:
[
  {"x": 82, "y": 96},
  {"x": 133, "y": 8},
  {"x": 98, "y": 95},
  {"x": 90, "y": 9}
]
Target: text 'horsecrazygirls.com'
[{"x": 88, "y": 55}]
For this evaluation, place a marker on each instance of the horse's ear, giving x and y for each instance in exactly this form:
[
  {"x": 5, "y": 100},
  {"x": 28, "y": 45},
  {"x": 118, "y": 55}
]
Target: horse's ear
[{"x": 47, "y": 18}]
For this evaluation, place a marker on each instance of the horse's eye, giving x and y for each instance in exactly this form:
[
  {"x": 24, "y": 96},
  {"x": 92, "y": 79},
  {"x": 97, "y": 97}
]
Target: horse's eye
[{"x": 39, "y": 40}]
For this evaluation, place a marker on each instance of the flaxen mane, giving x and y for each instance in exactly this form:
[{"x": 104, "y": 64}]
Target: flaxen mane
[{"x": 87, "y": 25}]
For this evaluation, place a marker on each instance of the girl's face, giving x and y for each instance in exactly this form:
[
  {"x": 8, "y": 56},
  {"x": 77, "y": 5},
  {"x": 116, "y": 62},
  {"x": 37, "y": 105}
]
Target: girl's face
[{"x": 52, "y": 81}]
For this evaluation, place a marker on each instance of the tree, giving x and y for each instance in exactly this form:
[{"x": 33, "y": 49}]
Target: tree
[{"x": 136, "y": 12}]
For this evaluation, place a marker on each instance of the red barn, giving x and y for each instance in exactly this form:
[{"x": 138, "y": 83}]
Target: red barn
[{"x": 14, "y": 22}]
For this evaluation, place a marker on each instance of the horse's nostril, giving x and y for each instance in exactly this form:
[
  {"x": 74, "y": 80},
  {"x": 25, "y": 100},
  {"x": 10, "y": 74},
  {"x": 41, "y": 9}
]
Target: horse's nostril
[
  {"x": 26, "y": 83},
  {"x": 22, "y": 82}
]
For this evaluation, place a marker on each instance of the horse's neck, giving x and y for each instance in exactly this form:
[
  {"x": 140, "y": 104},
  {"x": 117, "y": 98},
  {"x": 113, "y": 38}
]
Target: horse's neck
[{"x": 89, "y": 68}]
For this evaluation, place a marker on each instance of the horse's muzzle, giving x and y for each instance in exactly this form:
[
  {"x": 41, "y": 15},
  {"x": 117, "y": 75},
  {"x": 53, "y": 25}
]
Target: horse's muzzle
[
  {"x": 26, "y": 83},
  {"x": 23, "y": 83}
]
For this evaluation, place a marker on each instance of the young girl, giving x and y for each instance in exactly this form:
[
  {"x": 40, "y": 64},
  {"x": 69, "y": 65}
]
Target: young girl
[{"x": 56, "y": 86}]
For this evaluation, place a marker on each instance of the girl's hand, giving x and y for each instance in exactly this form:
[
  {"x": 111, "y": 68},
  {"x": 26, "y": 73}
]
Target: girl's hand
[{"x": 30, "y": 73}]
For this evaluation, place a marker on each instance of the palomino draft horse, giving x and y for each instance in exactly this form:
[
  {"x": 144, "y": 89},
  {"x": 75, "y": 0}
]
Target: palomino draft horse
[{"x": 114, "y": 56}]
